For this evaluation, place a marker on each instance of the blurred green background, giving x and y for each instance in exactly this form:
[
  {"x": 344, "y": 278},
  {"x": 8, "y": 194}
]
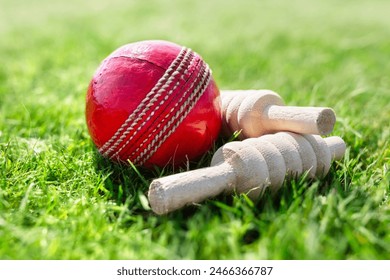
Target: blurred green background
[{"x": 60, "y": 200}]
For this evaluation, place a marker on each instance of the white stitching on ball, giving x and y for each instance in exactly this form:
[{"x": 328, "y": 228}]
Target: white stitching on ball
[
  {"x": 145, "y": 101},
  {"x": 188, "y": 105},
  {"x": 185, "y": 63},
  {"x": 186, "y": 94}
]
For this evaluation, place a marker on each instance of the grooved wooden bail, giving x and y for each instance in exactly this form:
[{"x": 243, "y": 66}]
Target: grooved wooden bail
[
  {"x": 248, "y": 167},
  {"x": 258, "y": 112}
]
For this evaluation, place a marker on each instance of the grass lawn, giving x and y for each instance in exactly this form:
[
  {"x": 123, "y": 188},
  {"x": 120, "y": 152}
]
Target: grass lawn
[{"x": 60, "y": 200}]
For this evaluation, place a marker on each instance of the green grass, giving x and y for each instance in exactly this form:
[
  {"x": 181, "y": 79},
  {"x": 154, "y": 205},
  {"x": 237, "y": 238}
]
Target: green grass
[{"x": 60, "y": 200}]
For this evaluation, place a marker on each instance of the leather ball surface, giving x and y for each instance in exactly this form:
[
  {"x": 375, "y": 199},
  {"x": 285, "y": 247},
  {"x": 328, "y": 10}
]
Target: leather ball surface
[{"x": 153, "y": 103}]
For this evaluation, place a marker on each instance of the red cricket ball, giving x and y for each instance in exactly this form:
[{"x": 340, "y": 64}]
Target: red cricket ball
[{"x": 153, "y": 103}]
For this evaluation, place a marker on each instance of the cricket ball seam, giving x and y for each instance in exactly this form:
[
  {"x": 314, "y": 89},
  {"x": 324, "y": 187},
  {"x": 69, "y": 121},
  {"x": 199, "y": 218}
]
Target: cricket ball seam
[
  {"x": 179, "y": 71},
  {"x": 141, "y": 106},
  {"x": 164, "y": 85},
  {"x": 189, "y": 104},
  {"x": 199, "y": 79}
]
